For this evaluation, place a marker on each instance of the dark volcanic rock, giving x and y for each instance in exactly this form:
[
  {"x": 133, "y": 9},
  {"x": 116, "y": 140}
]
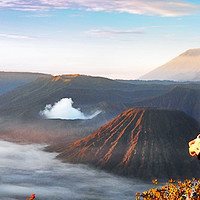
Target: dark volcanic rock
[
  {"x": 141, "y": 142},
  {"x": 179, "y": 98}
]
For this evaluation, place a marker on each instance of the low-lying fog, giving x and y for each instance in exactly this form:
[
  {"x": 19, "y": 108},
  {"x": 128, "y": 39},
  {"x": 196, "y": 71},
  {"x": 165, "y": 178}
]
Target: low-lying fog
[{"x": 26, "y": 169}]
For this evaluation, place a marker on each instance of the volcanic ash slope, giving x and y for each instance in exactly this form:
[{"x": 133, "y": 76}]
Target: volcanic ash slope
[{"x": 141, "y": 142}]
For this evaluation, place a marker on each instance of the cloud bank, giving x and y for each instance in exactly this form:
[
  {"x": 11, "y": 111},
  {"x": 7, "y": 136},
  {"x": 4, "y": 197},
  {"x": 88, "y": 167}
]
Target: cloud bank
[
  {"x": 15, "y": 36},
  {"x": 164, "y": 8},
  {"x": 63, "y": 109},
  {"x": 26, "y": 169},
  {"x": 113, "y": 32}
]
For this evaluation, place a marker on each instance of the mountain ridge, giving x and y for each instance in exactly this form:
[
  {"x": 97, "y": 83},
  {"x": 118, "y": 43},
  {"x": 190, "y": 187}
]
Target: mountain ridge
[
  {"x": 29, "y": 99},
  {"x": 179, "y": 98},
  {"x": 12, "y": 80}
]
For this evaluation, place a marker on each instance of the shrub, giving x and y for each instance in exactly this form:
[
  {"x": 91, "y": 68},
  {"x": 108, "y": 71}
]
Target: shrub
[{"x": 173, "y": 190}]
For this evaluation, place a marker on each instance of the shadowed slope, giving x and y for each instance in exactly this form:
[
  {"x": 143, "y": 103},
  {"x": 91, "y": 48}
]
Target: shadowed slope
[
  {"x": 141, "y": 142},
  {"x": 11, "y": 80},
  {"x": 179, "y": 98}
]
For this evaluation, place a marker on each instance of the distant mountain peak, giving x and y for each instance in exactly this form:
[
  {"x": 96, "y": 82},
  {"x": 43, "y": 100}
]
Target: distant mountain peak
[
  {"x": 185, "y": 67},
  {"x": 191, "y": 52}
]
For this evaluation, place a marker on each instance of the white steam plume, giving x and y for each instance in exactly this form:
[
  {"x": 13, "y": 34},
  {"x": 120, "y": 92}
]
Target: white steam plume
[{"x": 63, "y": 109}]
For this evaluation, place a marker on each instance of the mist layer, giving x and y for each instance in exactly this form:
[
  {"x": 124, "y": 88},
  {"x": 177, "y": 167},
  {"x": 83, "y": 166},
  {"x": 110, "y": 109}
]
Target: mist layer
[{"x": 26, "y": 169}]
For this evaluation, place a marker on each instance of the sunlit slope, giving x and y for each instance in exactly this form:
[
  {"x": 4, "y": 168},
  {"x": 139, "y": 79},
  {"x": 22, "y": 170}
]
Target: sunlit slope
[
  {"x": 185, "y": 67},
  {"x": 141, "y": 142}
]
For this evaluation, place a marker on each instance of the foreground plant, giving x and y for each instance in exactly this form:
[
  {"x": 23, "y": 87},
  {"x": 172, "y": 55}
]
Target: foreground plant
[
  {"x": 173, "y": 190},
  {"x": 31, "y": 197}
]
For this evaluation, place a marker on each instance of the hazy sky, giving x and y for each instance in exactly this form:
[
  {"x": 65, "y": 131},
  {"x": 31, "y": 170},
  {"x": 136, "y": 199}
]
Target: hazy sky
[{"x": 112, "y": 38}]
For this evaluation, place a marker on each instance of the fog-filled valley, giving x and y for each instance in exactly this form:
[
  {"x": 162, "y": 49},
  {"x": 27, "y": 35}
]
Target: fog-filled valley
[{"x": 26, "y": 169}]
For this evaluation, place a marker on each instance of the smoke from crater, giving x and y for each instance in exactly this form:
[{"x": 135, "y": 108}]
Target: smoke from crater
[{"x": 63, "y": 109}]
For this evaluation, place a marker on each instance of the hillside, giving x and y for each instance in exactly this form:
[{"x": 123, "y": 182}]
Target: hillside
[
  {"x": 179, "y": 98},
  {"x": 11, "y": 80},
  {"x": 185, "y": 67},
  {"x": 26, "y": 101},
  {"x": 141, "y": 142}
]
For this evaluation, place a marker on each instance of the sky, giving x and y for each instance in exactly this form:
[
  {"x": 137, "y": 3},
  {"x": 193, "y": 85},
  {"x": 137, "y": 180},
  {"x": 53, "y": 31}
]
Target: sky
[{"x": 121, "y": 39}]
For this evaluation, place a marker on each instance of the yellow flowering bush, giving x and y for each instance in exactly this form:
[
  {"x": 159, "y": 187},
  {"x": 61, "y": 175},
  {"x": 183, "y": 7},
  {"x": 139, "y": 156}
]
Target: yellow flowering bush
[{"x": 173, "y": 190}]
